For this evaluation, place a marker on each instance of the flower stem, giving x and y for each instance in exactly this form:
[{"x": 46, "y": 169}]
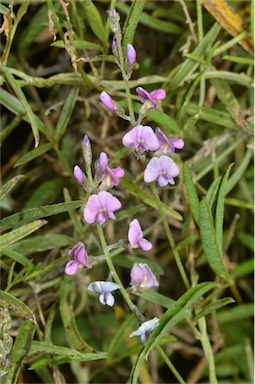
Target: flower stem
[
  {"x": 171, "y": 239},
  {"x": 124, "y": 76},
  {"x": 115, "y": 276},
  {"x": 207, "y": 350},
  {"x": 170, "y": 365}
]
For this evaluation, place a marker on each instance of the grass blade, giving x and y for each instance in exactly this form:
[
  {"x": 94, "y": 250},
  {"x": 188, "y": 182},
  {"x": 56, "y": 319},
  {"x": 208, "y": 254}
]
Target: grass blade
[
  {"x": 7, "y": 187},
  {"x": 95, "y": 20},
  {"x": 66, "y": 114},
  {"x": 191, "y": 193},
  {"x": 131, "y": 22}
]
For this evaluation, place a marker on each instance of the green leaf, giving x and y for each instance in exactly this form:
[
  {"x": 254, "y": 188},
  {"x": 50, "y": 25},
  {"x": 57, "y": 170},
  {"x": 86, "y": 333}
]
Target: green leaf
[
  {"x": 131, "y": 22},
  {"x": 209, "y": 242},
  {"x": 67, "y": 315},
  {"x": 17, "y": 234},
  {"x": 155, "y": 297},
  {"x": 140, "y": 194},
  {"x": 30, "y": 114},
  {"x": 39, "y": 346},
  {"x": 164, "y": 120},
  {"x": 41, "y": 243},
  {"x": 12, "y": 303},
  {"x": 36, "y": 152},
  {"x": 236, "y": 313},
  {"x": 227, "y": 97},
  {"x": 189, "y": 66},
  {"x": 213, "y": 307},
  {"x": 78, "y": 44},
  {"x": 213, "y": 191},
  {"x": 152, "y": 22},
  {"x": 16, "y": 256},
  {"x": 95, "y": 20},
  {"x": 239, "y": 172},
  {"x": 45, "y": 193},
  {"x": 36, "y": 24},
  {"x": 37, "y": 213},
  {"x": 191, "y": 193},
  {"x": 219, "y": 216},
  {"x": 243, "y": 269},
  {"x": 171, "y": 317},
  {"x": 7, "y": 187},
  {"x": 20, "y": 350},
  {"x": 66, "y": 113}
]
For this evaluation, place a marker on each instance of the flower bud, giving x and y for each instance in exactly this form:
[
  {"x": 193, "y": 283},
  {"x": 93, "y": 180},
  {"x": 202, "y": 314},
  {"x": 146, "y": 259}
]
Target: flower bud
[
  {"x": 131, "y": 54},
  {"x": 87, "y": 151},
  {"x": 79, "y": 175},
  {"x": 107, "y": 101}
]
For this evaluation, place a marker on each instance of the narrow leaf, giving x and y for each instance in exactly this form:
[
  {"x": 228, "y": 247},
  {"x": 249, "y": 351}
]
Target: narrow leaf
[
  {"x": 7, "y": 187},
  {"x": 131, "y": 22},
  {"x": 36, "y": 152},
  {"x": 209, "y": 243},
  {"x": 95, "y": 20},
  {"x": 189, "y": 66},
  {"x": 171, "y": 317},
  {"x": 37, "y": 213},
  {"x": 219, "y": 216},
  {"x": 17, "y": 89},
  {"x": 66, "y": 114},
  {"x": 213, "y": 307},
  {"x": 17, "y": 234},
  {"x": 11, "y": 302}
]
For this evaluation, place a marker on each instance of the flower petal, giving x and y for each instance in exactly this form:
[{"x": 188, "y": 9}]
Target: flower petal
[
  {"x": 158, "y": 94},
  {"x": 152, "y": 170},
  {"x": 91, "y": 209},
  {"x": 145, "y": 244},
  {"x": 134, "y": 232},
  {"x": 71, "y": 267},
  {"x": 109, "y": 299},
  {"x": 151, "y": 142},
  {"x": 143, "y": 94},
  {"x": 130, "y": 138}
]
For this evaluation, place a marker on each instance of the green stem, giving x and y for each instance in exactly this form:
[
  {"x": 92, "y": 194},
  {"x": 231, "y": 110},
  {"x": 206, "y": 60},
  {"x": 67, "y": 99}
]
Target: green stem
[
  {"x": 114, "y": 272},
  {"x": 207, "y": 350},
  {"x": 171, "y": 239},
  {"x": 170, "y": 365},
  {"x": 200, "y": 38},
  {"x": 124, "y": 76}
]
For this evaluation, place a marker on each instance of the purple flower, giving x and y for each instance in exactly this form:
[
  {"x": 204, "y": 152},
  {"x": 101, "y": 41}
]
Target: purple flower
[
  {"x": 131, "y": 54},
  {"x": 141, "y": 138},
  {"x": 162, "y": 169},
  {"x": 142, "y": 276},
  {"x": 135, "y": 236},
  {"x": 79, "y": 175},
  {"x": 104, "y": 288},
  {"x": 109, "y": 177},
  {"x": 100, "y": 207},
  {"x": 152, "y": 97},
  {"x": 79, "y": 257},
  {"x": 107, "y": 101},
  {"x": 168, "y": 144},
  {"x": 145, "y": 329}
]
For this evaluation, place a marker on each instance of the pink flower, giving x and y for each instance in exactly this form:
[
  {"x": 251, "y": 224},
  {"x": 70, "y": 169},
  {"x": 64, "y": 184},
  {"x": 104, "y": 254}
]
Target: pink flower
[
  {"x": 79, "y": 257},
  {"x": 100, "y": 207},
  {"x": 104, "y": 288},
  {"x": 152, "y": 97},
  {"x": 131, "y": 54},
  {"x": 141, "y": 138},
  {"x": 107, "y": 101},
  {"x": 142, "y": 276},
  {"x": 162, "y": 169},
  {"x": 168, "y": 144},
  {"x": 145, "y": 329},
  {"x": 109, "y": 177},
  {"x": 135, "y": 237}
]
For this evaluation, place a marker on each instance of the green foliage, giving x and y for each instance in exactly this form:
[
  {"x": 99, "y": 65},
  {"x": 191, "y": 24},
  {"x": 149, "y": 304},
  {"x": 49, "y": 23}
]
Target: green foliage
[{"x": 56, "y": 59}]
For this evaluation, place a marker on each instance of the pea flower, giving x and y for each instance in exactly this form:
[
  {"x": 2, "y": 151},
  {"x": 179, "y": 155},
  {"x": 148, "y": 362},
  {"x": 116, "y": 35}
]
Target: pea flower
[
  {"x": 145, "y": 329},
  {"x": 79, "y": 258},
  {"x": 104, "y": 288},
  {"x": 151, "y": 97},
  {"x": 141, "y": 138},
  {"x": 163, "y": 169},
  {"x": 168, "y": 145},
  {"x": 135, "y": 236},
  {"x": 109, "y": 177},
  {"x": 100, "y": 207},
  {"x": 107, "y": 101},
  {"x": 142, "y": 276}
]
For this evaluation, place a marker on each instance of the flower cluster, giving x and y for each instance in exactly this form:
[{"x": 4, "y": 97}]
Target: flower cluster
[{"x": 102, "y": 204}]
